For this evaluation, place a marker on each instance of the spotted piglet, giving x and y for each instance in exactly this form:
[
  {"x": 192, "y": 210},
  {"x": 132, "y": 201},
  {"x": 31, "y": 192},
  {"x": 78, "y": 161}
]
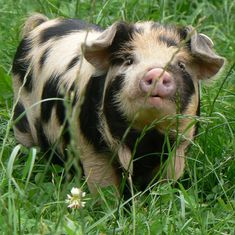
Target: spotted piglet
[{"x": 126, "y": 96}]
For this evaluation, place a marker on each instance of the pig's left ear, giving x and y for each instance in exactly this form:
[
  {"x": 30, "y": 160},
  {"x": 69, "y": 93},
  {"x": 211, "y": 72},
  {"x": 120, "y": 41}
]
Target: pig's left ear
[
  {"x": 97, "y": 51},
  {"x": 208, "y": 63}
]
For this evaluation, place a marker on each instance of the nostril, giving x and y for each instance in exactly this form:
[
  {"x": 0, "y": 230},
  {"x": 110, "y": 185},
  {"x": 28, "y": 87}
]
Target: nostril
[
  {"x": 149, "y": 82},
  {"x": 146, "y": 85},
  {"x": 166, "y": 81}
]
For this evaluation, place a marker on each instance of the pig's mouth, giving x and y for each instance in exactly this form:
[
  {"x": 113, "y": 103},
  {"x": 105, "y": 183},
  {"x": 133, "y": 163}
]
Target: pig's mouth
[
  {"x": 154, "y": 100},
  {"x": 159, "y": 102},
  {"x": 159, "y": 99},
  {"x": 157, "y": 96}
]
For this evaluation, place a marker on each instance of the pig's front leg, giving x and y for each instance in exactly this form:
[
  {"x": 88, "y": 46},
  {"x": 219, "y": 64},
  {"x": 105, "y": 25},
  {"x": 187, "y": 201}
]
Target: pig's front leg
[
  {"x": 176, "y": 164},
  {"x": 125, "y": 159},
  {"x": 98, "y": 170}
]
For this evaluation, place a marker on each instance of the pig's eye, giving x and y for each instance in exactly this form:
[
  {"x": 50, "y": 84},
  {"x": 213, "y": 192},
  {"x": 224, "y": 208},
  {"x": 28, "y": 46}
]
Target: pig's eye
[
  {"x": 181, "y": 65},
  {"x": 129, "y": 61}
]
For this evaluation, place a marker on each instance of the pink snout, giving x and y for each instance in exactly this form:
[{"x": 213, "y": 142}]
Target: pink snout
[{"x": 157, "y": 82}]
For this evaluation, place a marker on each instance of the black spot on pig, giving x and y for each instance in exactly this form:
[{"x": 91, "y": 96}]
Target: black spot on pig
[
  {"x": 41, "y": 136},
  {"x": 168, "y": 41},
  {"x": 22, "y": 124},
  {"x": 73, "y": 62},
  {"x": 44, "y": 57},
  {"x": 187, "y": 92},
  {"x": 123, "y": 35},
  {"x": 21, "y": 64},
  {"x": 115, "y": 119},
  {"x": 89, "y": 114},
  {"x": 50, "y": 91},
  {"x": 64, "y": 27}
]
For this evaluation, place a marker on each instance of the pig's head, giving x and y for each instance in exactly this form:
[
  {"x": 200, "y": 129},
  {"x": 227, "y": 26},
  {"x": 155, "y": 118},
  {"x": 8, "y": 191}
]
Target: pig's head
[{"x": 153, "y": 70}]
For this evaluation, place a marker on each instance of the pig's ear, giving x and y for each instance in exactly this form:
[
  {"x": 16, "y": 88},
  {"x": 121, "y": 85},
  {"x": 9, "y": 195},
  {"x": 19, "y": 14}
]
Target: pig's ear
[
  {"x": 208, "y": 63},
  {"x": 97, "y": 51}
]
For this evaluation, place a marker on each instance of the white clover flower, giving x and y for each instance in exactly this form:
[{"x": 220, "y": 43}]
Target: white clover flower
[{"x": 75, "y": 199}]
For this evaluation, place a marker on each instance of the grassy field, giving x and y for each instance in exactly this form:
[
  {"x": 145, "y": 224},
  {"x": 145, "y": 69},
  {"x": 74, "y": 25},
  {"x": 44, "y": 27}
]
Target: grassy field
[{"x": 33, "y": 192}]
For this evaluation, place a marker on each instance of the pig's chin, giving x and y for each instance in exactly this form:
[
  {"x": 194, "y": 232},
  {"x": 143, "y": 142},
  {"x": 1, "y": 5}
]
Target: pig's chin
[
  {"x": 160, "y": 105},
  {"x": 155, "y": 109},
  {"x": 156, "y": 102}
]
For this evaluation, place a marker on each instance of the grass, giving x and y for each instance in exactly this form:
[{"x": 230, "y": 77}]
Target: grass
[{"x": 32, "y": 192}]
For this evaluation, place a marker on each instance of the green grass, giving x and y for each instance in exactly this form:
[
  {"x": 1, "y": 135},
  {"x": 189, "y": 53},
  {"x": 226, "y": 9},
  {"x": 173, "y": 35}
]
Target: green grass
[{"x": 33, "y": 193}]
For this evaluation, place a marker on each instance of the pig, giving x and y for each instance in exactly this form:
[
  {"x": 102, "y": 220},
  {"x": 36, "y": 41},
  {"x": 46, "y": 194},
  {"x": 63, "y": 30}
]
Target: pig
[{"x": 125, "y": 97}]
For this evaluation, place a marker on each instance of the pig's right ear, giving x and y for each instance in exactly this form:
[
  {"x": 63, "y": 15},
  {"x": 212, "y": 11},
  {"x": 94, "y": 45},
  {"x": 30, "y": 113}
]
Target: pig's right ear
[{"x": 97, "y": 51}]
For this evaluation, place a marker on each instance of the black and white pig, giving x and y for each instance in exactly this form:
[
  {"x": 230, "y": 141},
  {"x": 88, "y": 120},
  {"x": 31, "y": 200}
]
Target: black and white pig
[{"x": 133, "y": 89}]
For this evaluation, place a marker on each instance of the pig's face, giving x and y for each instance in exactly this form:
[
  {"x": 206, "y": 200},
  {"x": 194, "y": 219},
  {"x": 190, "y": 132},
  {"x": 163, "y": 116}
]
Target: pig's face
[
  {"x": 156, "y": 79},
  {"x": 154, "y": 70}
]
